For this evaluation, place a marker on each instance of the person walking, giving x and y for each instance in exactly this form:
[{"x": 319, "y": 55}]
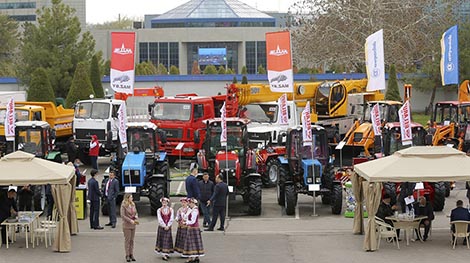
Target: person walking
[
  {"x": 164, "y": 243},
  {"x": 71, "y": 149},
  {"x": 218, "y": 199},
  {"x": 192, "y": 186},
  {"x": 206, "y": 188},
  {"x": 129, "y": 221},
  {"x": 193, "y": 247},
  {"x": 94, "y": 151},
  {"x": 182, "y": 228},
  {"x": 25, "y": 198},
  {"x": 111, "y": 191},
  {"x": 94, "y": 195}
]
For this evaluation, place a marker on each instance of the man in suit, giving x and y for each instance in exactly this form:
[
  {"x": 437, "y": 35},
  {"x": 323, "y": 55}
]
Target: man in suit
[
  {"x": 192, "y": 186},
  {"x": 7, "y": 209},
  {"x": 218, "y": 199},
  {"x": 459, "y": 214},
  {"x": 94, "y": 195},
  {"x": 111, "y": 191},
  {"x": 423, "y": 208}
]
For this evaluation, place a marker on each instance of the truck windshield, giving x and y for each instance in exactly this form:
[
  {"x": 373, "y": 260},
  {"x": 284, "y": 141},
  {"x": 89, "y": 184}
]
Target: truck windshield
[
  {"x": 21, "y": 115},
  {"x": 260, "y": 112},
  {"x": 92, "y": 110},
  {"x": 30, "y": 141},
  {"x": 141, "y": 139},
  {"x": 396, "y": 143},
  {"x": 446, "y": 114},
  {"x": 234, "y": 139},
  {"x": 172, "y": 111}
]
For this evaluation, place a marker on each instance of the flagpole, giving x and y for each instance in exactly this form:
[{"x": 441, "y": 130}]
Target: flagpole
[{"x": 313, "y": 175}]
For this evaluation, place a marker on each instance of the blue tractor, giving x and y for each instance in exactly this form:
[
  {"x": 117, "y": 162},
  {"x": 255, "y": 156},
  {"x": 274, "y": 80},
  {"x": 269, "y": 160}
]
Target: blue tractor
[
  {"x": 144, "y": 170},
  {"x": 299, "y": 169}
]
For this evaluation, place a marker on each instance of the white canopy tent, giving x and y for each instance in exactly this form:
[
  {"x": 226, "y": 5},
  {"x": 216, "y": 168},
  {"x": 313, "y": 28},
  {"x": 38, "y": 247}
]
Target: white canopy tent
[
  {"x": 414, "y": 164},
  {"x": 21, "y": 168}
]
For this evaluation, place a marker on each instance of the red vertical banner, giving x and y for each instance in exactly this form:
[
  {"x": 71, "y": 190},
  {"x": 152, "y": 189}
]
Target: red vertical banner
[
  {"x": 405, "y": 124},
  {"x": 307, "y": 126},
  {"x": 279, "y": 61},
  {"x": 282, "y": 110},
  {"x": 375, "y": 118},
  {"x": 223, "y": 133},
  {"x": 122, "y": 62},
  {"x": 10, "y": 120}
]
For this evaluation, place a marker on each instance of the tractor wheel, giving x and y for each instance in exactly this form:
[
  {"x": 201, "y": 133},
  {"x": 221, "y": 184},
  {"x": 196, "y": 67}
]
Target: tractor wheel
[
  {"x": 84, "y": 158},
  {"x": 390, "y": 189},
  {"x": 447, "y": 189},
  {"x": 156, "y": 192},
  {"x": 281, "y": 190},
  {"x": 337, "y": 199},
  {"x": 273, "y": 172},
  {"x": 254, "y": 202},
  {"x": 172, "y": 160},
  {"x": 39, "y": 200},
  {"x": 327, "y": 183},
  {"x": 291, "y": 199},
  {"x": 439, "y": 196},
  {"x": 163, "y": 168}
]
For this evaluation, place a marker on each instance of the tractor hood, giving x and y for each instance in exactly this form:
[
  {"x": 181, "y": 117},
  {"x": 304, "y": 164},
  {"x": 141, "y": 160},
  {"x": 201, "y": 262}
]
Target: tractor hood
[
  {"x": 228, "y": 160},
  {"x": 133, "y": 169},
  {"x": 309, "y": 176}
]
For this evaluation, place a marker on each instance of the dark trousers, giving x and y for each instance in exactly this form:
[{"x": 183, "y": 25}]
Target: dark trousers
[
  {"x": 50, "y": 204},
  {"x": 112, "y": 210},
  {"x": 94, "y": 214},
  {"x": 4, "y": 231},
  {"x": 206, "y": 210},
  {"x": 218, "y": 211},
  {"x": 94, "y": 162},
  {"x": 24, "y": 204}
]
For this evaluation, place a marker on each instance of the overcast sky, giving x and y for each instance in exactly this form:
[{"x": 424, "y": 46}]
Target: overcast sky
[{"x": 99, "y": 11}]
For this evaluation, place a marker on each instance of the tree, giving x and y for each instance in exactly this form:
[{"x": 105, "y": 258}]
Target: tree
[
  {"x": 174, "y": 70},
  {"x": 123, "y": 22},
  {"x": 210, "y": 70},
  {"x": 40, "y": 88},
  {"x": 244, "y": 80},
  {"x": 81, "y": 88},
  {"x": 56, "y": 44},
  {"x": 195, "y": 70},
  {"x": 261, "y": 70},
  {"x": 146, "y": 68},
  {"x": 244, "y": 70},
  {"x": 339, "y": 29},
  {"x": 221, "y": 70},
  {"x": 392, "y": 92},
  {"x": 8, "y": 44},
  {"x": 234, "y": 81},
  {"x": 161, "y": 70},
  {"x": 95, "y": 77},
  {"x": 229, "y": 71}
]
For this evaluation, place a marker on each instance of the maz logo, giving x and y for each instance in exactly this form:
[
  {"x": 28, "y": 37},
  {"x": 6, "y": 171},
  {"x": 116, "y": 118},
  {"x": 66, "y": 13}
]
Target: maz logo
[
  {"x": 122, "y": 50},
  {"x": 278, "y": 52}
]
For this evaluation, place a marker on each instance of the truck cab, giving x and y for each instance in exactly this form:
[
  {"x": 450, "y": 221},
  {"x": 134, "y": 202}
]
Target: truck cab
[{"x": 96, "y": 117}]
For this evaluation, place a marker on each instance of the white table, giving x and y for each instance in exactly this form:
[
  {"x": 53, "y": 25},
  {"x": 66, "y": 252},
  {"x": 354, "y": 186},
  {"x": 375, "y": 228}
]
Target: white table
[
  {"x": 26, "y": 220},
  {"x": 408, "y": 224}
]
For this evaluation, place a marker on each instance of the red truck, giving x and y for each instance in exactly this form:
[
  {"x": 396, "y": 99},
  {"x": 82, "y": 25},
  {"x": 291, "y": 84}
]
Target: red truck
[{"x": 180, "y": 116}]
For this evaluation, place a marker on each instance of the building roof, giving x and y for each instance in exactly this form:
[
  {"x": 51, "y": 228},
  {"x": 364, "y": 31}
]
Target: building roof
[{"x": 226, "y": 10}]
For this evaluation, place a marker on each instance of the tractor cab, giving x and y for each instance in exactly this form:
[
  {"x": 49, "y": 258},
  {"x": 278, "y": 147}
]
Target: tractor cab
[
  {"x": 450, "y": 124},
  {"x": 36, "y": 137},
  {"x": 391, "y": 137},
  {"x": 388, "y": 110}
]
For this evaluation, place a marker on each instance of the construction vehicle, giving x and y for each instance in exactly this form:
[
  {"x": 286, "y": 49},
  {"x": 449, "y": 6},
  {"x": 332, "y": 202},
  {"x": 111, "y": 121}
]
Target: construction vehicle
[
  {"x": 143, "y": 169},
  {"x": 303, "y": 166},
  {"x": 236, "y": 162},
  {"x": 180, "y": 117},
  {"x": 96, "y": 117},
  {"x": 59, "y": 119}
]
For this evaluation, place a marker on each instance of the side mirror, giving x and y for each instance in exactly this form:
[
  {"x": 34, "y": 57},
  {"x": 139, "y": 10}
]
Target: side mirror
[
  {"x": 280, "y": 138},
  {"x": 198, "y": 112},
  {"x": 162, "y": 135},
  {"x": 197, "y": 137},
  {"x": 150, "y": 107}
]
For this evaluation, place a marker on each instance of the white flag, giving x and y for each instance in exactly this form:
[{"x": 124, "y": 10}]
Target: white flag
[
  {"x": 122, "y": 118},
  {"x": 375, "y": 118},
  {"x": 306, "y": 126},
  {"x": 405, "y": 124},
  {"x": 10, "y": 120},
  {"x": 223, "y": 134},
  {"x": 282, "y": 110},
  {"x": 375, "y": 61}
]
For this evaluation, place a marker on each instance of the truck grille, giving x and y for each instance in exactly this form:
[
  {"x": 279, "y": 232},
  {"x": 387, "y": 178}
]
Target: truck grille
[
  {"x": 174, "y": 133},
  {"x": 230, "y": 164},
  {"x": 316, "y": 179},
  {"x": 84, "y": 134},
  {"x": 134, "y": 178}
]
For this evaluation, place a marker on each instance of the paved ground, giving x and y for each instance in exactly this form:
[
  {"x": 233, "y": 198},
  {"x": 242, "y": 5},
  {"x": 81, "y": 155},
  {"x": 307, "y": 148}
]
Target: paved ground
[{"x": 272, "y": 237}]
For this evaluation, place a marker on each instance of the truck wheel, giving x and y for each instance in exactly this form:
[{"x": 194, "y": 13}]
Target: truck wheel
[
  {"x": 39, "y": 200},
  {"x": 327, "y": 182},
  {"x": 291, "y": 199},
  {"x": 439, "y": 196},
  {"x": 273, "y": 172},
  {"x": 281, "y": 191},
  {"x": 390, "y": 189},
  {"x": 254, "y": 202},
  {"x": 156, "y": 192},
  {"x": 337, "y": 199}
]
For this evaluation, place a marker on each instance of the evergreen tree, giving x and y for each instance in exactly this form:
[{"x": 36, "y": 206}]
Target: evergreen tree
[
  {"x": 392, "y": 92},
  {"x": 146, "y": 68},
  {"x": 40, "y": 88},
  {"x": 81, "y": 88},
  {"x": 244, "y": 80},
  {"x": 234, "y": 81},
  {"x": 229, "y": 71},
  {"x": 244, "y": 70},
  {"x": 162, "y": 70},
  {"x": 95, "y": 77},
  {"x": 261, "y": 70},
  {"x": 9, "y": 40},
  {"x": 210, "y": 70},
  {"x": 221, "y": 70},
  {"x": 174, "y": 70}
]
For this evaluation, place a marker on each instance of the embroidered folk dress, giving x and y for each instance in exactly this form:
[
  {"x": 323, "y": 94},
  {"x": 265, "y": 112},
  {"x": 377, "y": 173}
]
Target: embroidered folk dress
[
  {"x": 164, "y": 243},
  {"x": 182, "y": 228},
  {"x": 193, "y": 246}
]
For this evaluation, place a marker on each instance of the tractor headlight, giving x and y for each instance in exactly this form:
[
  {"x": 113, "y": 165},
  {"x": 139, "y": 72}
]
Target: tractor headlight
[
  {"x": 137, "y": 172},
  {"x": 317, "y": 180},
  {"x": 309, "y": 180},
  {"x": 126, "y": 172}
]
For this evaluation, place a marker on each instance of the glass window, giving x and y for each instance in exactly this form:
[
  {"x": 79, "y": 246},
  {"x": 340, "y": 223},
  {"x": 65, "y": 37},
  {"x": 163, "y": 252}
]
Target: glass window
[
  {"x": 30, "y": 141},
  {"x": 143, "y": 139},
  {"x": 174, "y": 54},
  {"x": 18, "y": 5},
  {"x": 153, "y": 53},
  {"x": 100, "y": 110},
  {"x": 260, "y": 54},
  {"x": 83, "y": 110},
  {"x": 143, "y": 52},
  {"x": 250, "y": 56},
  {"x": 163, "y": 54},
  {"x": 20, "y": 115},
  {"x": 172, "y": 111},
  {"x": 260, "y": 112},
  {"x": 23, "y": 17}
]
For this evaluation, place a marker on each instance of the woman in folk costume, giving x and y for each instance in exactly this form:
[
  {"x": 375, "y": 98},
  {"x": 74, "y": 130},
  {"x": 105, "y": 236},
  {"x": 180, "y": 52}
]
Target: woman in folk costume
[
  {"x": 164, "y": 244},
  {"x": 193, "y": 247},
  {"x": 182, "y": 228}
]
